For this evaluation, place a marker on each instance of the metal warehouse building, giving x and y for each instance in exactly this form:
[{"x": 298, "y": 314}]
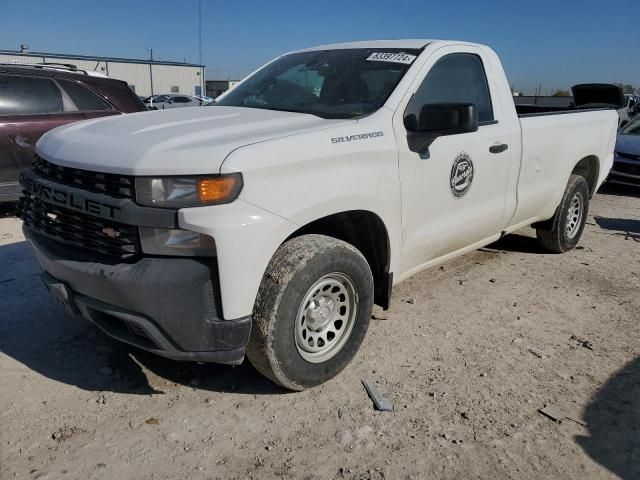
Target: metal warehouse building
[
  {"x": 215, "y": 88},
  {"x": 145, "y": 77}
]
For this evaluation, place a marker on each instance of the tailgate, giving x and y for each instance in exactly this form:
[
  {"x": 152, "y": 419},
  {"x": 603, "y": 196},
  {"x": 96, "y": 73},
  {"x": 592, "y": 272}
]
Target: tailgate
[{"x": 591, "y": 95}]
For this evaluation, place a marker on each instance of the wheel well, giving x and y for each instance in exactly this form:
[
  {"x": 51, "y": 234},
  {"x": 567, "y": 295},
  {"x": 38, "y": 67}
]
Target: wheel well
[
  {"x": 365, "y": 231},
  {"x": 589, "y": 168}
]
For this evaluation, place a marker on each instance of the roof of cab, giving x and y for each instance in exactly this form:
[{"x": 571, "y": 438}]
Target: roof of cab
[{"x": 406, "y": 43}]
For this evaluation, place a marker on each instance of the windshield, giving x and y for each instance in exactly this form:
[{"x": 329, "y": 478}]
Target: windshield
[
  {"x": 633, "y": 127},
  {"x": 328, "y": 83}
]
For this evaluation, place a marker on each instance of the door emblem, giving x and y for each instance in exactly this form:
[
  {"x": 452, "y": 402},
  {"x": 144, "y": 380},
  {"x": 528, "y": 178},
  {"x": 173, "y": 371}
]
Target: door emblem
[{"x": 461, "y": 175}]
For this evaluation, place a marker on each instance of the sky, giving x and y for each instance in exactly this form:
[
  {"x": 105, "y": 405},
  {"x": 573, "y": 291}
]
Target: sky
[{"x": 551, "y": 43}]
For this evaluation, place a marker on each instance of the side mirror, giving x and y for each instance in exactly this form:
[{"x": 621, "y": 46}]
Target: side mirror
[{"x": 438, "y": 120}]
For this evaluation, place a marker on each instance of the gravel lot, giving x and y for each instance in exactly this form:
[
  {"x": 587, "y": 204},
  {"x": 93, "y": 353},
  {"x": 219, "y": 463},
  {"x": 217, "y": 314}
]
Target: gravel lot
[{"x": 469, "y": 353}]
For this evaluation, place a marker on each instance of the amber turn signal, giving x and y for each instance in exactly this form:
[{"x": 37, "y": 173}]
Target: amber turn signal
[{"x": 219, "y": 189}]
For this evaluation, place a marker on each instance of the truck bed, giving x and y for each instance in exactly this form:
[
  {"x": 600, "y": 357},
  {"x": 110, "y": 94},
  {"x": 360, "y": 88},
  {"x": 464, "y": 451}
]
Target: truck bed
[
  {"x": 586, "y": 97},
  {"x": 552, "y": 143}
]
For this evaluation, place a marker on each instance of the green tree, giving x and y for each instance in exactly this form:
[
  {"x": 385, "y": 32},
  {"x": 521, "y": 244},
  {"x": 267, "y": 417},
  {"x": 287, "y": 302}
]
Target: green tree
[{"x": 561, "y": 93}]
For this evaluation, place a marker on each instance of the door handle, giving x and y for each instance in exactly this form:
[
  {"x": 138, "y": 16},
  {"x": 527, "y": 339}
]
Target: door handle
[{"x": 498, "y": 148}]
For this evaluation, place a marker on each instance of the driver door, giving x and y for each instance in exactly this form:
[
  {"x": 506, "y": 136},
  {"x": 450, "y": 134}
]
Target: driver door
[{"x": 454, "y": 193}]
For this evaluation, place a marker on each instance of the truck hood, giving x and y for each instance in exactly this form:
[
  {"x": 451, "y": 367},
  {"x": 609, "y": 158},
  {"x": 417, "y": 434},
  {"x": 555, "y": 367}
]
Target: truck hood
[{"x": 181, "y": 141}]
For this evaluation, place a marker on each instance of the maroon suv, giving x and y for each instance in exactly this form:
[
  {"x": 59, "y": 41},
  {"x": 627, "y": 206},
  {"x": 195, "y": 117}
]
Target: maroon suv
[{"x": 36, "y": 98}]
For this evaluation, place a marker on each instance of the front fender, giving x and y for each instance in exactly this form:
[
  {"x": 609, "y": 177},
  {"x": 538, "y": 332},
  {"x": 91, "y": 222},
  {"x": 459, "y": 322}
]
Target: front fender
[{"x": 246, "y": 238}]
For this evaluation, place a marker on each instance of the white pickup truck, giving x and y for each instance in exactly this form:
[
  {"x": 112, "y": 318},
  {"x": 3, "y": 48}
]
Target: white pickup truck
[{"x": 270, "y": 223}]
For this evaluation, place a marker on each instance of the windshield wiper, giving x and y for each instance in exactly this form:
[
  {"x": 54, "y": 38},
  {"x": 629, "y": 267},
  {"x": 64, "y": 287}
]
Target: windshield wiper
[{"x": 292, "y": 110}]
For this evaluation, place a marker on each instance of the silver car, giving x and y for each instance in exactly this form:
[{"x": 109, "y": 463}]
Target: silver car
[
  {"x": 626, "y": 163},
  {"x": 165, "y": 101}
]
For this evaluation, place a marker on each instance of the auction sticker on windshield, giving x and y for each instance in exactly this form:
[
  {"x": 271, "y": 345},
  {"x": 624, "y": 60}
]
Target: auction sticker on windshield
[{"x": 392, "y": 57}]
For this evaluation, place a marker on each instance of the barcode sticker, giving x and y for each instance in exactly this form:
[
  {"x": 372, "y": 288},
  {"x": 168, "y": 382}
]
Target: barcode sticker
[{"x": 404, "y": 58}]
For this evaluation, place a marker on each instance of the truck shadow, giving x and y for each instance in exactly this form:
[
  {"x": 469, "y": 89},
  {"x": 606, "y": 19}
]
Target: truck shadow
[
  {"x": 613, "y": 422},
  {"x": 515, "y": 242},
  {"x": 624, "y": 227},
  {"x": 36, "y": 332}
]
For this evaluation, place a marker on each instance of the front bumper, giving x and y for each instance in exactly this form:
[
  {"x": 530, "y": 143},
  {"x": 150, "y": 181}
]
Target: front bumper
[
  {"x": 168, "y": 306},
  {"x": 625, "y": 171}
]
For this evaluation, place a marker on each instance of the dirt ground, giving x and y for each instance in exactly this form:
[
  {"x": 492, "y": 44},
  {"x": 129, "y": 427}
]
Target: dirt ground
[{"x": 468, "y": 353}]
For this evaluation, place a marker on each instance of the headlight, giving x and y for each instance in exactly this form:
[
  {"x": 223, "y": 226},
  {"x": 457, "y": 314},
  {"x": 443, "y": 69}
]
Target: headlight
[
  {"x": 182, "y": 192},
  {"x": 164, "y": 241}
]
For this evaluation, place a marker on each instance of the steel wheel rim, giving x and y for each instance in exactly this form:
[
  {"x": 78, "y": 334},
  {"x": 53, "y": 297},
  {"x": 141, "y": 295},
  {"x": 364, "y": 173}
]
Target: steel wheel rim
[
  {"x": 574, "y": 215},
  {"x": 326, "y": 317}
]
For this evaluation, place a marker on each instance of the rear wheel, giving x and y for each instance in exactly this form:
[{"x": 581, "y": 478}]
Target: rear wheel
[
  {"x": 312, "y": 311},
  {"x": 562, "y": 232}
]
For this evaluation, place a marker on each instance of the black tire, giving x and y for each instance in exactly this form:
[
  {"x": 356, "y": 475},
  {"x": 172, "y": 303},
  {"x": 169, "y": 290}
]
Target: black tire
[
  {"x": 294, "y": 269},
  {"x": 556, "y": 234}
]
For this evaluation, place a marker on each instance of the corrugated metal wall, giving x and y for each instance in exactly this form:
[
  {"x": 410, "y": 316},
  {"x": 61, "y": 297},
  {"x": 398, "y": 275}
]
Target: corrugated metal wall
[
  {"x": 135, "y": 74},
  {"x": 89, "y": 65},
  {"x": 167, "y": 77},
  {"x": 93, "y": 65},
  {"x": 143, "y": 77},
  {"x": 19, "y": 59}
]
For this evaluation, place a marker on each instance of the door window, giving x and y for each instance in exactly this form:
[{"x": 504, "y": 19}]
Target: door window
[
  {"x": 23, "y": 95},
  {"x": 456, "y": 78},
  {"x": 84, "y": 98}
]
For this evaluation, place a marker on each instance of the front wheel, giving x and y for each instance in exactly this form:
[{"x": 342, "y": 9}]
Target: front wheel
[
  {"x": 563, "y": 231},
  {"x": 312, "y": 311}
]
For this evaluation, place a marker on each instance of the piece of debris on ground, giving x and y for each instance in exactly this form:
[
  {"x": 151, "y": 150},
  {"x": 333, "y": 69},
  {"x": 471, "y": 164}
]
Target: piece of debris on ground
[
  {"x": 380, "y": 402},
  {"x": 551, "y": 413}
]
